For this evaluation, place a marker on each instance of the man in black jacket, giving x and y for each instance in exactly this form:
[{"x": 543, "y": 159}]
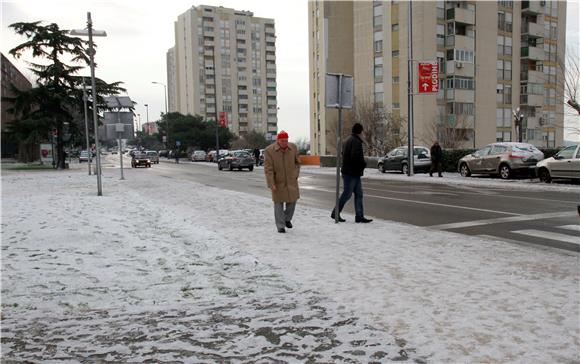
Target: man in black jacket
[
  {"x": 436, "y": 159},
  {"x": 353, "y": 165}
]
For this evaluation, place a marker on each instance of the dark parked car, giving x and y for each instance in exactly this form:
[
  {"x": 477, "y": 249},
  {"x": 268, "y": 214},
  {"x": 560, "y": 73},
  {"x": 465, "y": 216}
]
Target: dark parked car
[
  {"x": 140, "y": 160},
  {"x": 396, "y": 160},
  {"x": 237, "y": 159},
  {"x": 503, "y": 159}
]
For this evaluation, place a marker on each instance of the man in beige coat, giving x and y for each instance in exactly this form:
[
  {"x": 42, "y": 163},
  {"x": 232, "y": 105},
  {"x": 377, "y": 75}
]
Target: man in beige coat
[{"x": 282, "y": 167}]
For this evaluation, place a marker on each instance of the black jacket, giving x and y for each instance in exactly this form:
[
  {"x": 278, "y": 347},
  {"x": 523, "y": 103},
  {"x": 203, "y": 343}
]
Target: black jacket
[
  {"x": 436, "y": 153},
  {"x": 353, "y": 160}
]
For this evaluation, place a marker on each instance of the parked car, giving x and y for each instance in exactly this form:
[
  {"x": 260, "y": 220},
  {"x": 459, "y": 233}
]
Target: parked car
[
  {"x": 163, "y": 153},
  {"x": 396, "y": 160},
  {"x": 237, "y": 159},
  {"x": 84, "y": 156},
  {"x": 565, "y": 164},
  {"x": 198, "y": 156},
  {"x": 140, "y": 159},
  {"x": 503, "y": 159},
  {"x": 153, "y": 156}
]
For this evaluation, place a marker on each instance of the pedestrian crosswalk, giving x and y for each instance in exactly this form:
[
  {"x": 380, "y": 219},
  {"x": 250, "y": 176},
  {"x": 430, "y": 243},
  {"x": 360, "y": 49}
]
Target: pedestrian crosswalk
[{"x": 558, "y": 236}]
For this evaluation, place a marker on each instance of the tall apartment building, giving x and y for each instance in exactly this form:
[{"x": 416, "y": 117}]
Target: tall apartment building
[
  {"x": 224, "y": 60},
  {"x": 493, "y": 58}
]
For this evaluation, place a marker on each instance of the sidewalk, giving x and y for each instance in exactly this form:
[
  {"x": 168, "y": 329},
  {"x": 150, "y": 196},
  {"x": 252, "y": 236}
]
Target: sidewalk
[{"x": 147, "y": 272}]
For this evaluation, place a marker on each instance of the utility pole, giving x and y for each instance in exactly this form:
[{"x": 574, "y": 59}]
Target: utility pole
[{"x": 410, "y": 154}]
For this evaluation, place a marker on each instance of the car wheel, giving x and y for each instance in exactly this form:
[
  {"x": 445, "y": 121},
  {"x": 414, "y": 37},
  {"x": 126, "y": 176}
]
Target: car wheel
[
  {"x": 505, "y": 171},
  {"x": 231, "y": 167},
  {"x": 380, "y": 167},
  {"x": 220, "y": 166},
  {"x": 544, "y": 175},
  {"x": 405, "y": 168},
  {"x": 251, "y": 168},
  {"x": 464, "y": 170}
]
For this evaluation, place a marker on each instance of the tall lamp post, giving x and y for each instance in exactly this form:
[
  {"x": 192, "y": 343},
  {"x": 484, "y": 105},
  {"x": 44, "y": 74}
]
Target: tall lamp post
[
  {"x": 85, "y": 100},
  {"x": 91, "y": 52},
  {"x": 166, "y": 118},
  {"x": 147, "y": 113}
]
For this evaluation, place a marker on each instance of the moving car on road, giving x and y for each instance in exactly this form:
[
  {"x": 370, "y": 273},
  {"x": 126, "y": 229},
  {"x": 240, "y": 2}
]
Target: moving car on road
[
  {"x": 396, "y": 160},
  {"x": 565, "y": 164},
  {"x": 140, "y": 159},
  {"x": 504, "y": 159},
  {"x": 84, "y": 156},
  {"x": 237, "y": 159},
  {"x": 153, "y": 156}
]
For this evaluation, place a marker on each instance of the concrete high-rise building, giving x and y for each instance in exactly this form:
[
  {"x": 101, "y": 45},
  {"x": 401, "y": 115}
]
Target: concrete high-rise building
[
  {"x": 224, "y": 60},
  {"x": 494, "y": 57}
]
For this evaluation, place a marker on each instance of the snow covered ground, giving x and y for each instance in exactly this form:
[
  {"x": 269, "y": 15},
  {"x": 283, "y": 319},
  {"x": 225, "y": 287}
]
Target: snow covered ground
[{"x": 161, "y": 269}]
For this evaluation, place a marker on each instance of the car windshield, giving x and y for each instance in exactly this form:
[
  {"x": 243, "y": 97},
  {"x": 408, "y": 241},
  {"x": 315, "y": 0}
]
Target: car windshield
[
  {"x": 151, "y": 153},
  {"x": 242, "y": 154}
]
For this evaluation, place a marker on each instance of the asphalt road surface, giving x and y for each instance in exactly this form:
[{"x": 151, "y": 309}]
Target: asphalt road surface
[{"x": 547, "y": 219}]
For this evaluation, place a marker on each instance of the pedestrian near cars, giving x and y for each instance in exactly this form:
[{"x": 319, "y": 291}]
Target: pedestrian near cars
[
  {"x": 353, "y": 165},
  {"x": 257, "y": 156},
  {"x": 282, "y": 168},
  {"x": 436, "y": 159}
]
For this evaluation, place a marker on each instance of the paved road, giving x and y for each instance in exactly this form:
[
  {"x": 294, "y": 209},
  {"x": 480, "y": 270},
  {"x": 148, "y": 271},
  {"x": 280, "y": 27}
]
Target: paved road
[{"x": 542, "y": 218}]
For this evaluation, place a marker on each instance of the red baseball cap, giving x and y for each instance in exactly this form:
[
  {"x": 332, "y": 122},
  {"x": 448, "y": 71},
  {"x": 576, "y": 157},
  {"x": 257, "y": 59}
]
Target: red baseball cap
[{"x": 282, "y": 135}]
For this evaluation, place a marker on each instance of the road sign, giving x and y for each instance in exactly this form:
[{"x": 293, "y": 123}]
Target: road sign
[
  {"x": 335, "y": 97},
  {"x": 428, "y": 77},
  {"x": 223, "y": 119},
  {"x": 177, "y": 143}
]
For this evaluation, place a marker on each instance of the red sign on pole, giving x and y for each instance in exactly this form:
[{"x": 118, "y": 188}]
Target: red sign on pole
[
  {"x": 223, "y": 119},
  {"x": 428, "y": 77}
]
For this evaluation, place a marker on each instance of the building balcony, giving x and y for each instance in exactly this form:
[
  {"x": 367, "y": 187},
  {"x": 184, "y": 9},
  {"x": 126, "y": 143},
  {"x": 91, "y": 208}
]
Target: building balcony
[
  {"x": 243, "y": 92},
  {"x": 210, "y": 81},
  {"x": 210, "y": 110},
  {"x": 272, "y": 128},
  {"x": 533, "y": 76},
  {"x": 271, "y": 73},
  {"x": 271, "y": 102},
  {"x": 532, "y": 7},
  {"x": 270, "y": 49},
  {"x": 270, "y": 57},
  {"x": 533, "y": 53},
  {"x": 272, "y": 120},
  {"x": 461, "y": 15},
  {"x": 531, "y": 100},
  {"x": 208, "y": 43},
  {"x": 270, "y": 38},
  {"x": 209, "y": 72},
  {"x": 210, "y": 100},
  {"x": 271, "y": 93},
  {"x": 208, "y": 52},
  {"x": 210, "y": 91},
  {"x": 459, "y": 68},
  {"x": 460, "y": 95},
  {"x": 208, "y": 33},
  {"x": 270, "y": 84},
  {"x": 460, "y": 42},
  {"x": 533, "y": 30}
]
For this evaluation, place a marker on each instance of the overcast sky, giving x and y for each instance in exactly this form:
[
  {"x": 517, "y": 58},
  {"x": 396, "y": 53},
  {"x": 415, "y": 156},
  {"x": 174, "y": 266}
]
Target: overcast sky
[{"x": 140, "y": 32}]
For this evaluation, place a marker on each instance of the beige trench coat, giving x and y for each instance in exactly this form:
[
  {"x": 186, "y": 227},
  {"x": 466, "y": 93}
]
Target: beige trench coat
[{"x": 282, "y": 169}]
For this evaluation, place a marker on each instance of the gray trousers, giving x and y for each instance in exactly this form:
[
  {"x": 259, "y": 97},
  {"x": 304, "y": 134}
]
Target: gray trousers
[{"x": 282, "y": 214}]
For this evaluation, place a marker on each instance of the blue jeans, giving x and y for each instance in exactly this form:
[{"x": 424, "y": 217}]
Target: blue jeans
[{"x": 352, "y": 184}]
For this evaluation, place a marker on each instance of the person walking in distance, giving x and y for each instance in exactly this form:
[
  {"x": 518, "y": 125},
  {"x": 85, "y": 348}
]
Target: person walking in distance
[
  {"x": 353, "y": 165},
  {"x": 257, "y": 156},
  {"x": 282, "y": 168},
  {"x": 436, "y": 159}
]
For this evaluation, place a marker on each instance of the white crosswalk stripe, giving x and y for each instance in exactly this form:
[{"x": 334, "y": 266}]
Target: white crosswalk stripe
[
  {"x": 549, "y": 235},
  {"x": 571, "y": 227}
]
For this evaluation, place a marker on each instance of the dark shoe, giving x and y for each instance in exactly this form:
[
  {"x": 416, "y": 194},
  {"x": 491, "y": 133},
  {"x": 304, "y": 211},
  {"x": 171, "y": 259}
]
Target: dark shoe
[
  {"x": 364, "y": 220},
  {"x": 440, "y": 175},
  {"x": 288, "y": 224},
  {"x": 333, "y": 216},
  {"x": 430, "y": 175},
  {"x": 281, "y": 230}
]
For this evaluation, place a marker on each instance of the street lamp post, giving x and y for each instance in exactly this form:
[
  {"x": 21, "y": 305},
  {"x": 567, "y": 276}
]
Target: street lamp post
[
  {"x": 91, "y": 52},
  {"x": 147, "y": 110},
  {"x": 87, "y": 124},
  {"x": 166, "y": 118}
]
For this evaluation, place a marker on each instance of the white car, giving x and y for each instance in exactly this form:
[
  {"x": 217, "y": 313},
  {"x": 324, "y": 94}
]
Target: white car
[
  {"x": 198, "y": 156},
  {"x": 565, "y": 164}
]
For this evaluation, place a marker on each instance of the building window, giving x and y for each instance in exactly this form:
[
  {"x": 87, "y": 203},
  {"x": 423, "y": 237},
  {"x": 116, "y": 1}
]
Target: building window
[
  {"x": 396, "y": 79},
  {"x": 395, "y": 54},
  {"x": 378, "y": 46},
  {"x": 395, "y": 27},
  {"x": 378, "y": 73}
]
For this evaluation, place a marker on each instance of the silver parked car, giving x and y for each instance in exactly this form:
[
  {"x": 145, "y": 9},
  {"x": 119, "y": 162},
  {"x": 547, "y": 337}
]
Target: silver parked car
[
  {"x": 198, "y": 156},
  {"x": 236, "y": 159},
  {"x": 153, "y": 156},
  {"x": 565, "y": 164},
  {"x": 396, "y": 160},
  {"x": 503, "y": 159}
]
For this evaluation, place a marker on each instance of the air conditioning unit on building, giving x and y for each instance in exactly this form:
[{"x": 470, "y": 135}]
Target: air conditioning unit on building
[{"x": 458, "y": 64}]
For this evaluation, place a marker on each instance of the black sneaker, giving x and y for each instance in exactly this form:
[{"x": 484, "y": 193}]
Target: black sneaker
[
  {"x": 363, "y": 220},
  {"x": 288, "y": 224},
  {"x": 281, "y": 230},
  {"x": 333, "y": 216}
]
